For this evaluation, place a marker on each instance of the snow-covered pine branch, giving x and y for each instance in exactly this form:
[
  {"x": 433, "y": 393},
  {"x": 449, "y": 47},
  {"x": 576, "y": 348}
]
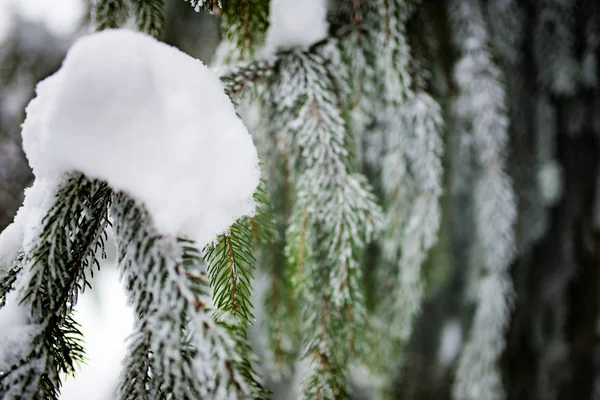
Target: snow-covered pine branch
[
  {"x": 179, "y": 349},
  {"x": 417, "y": 212},
  {"x": 358, "y": 50},
  {"x": 240, "y": 78},
  {"x": 62, "y": 225},
  {"x": 409, "y": 125},
  {"x": 188, "y": 172},
  {"x": 334, "y": 216},
  {"x": 481, "y": 106}
]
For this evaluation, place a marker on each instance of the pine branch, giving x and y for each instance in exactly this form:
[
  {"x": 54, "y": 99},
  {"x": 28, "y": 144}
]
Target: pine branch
[
  {"x": 109, "y": 14},
  {"x": 334, "y": 215},
  {"x": 394, "y": 49},
  {"x": 230, "y": 268},
  {"x": 239, "y": 78},
  {"x": 55, "y": 270},
  {"x": 327, "y": 377},
  {"x": 414, "y": 213},
  {"x": 245, "y": 23},
  {"x": 137, "y": 368},
  {"x": 480, "y": 109},
  {"x": 149, "y": 16},
  {"x": 359, "y": 50},
  {"x": 171, "y": 296}
]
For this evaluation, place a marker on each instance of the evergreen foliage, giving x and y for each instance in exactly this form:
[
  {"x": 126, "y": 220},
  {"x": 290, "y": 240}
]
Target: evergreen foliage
[
  {"x": 481, "y": 113},
  {"x": 179, "y": 349},
  {"x": 244, "y": 23},
  {"x": 149, "y": 16},
  {"x": 353, "y": 134},
  {"x": 53, "y": 270},
  {"x": 108, "y": 14}
]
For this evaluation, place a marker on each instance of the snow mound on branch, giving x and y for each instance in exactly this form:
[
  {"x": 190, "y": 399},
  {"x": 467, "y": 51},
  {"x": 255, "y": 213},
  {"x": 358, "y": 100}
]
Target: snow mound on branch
[
  {"x": 296, "y": 24},
  {"x": 151, "y": 121}
]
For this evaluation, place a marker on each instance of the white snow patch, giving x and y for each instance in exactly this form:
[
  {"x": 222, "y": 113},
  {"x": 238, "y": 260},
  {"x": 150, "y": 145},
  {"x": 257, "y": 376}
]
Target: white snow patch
[
  {"x": 15, "y": 331},
  {"x": 106, "y": 321},
  {"x": 450, "y": 342},
  {"x": 296, "y": 24},
  {"x": 11, "y": 240},
  {"x": 152, "y": 121},
  {"x": 550, "y": 182},
  {"x": 27, "y": 223}
]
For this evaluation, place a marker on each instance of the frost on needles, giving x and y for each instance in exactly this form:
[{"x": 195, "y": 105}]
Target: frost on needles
[{"x": 132, "y": 122}]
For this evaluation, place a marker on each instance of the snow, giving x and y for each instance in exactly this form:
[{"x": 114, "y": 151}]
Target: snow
[
  {"x": 550, "y": 178},
  {"x": 15, "y": 331},
  {"x": 151, "y": 121},
  {"x": 11, "y": 240},
  {"x": 296, "y": 24},
  {"x": 27, "y": 222},
  {"x": 106, "y": 321},
  {"x": 450, "y": 342}
]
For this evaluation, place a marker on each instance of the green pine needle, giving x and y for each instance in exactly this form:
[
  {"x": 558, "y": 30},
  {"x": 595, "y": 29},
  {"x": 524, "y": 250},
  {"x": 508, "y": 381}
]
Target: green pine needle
[
  {"x": 110, "y": 14},
  {"x": 149, "y": 16},
  {"x": 230, "y": 267}
]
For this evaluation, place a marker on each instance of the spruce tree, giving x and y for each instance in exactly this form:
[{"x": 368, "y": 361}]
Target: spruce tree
[{"x": 412, "y": 181}]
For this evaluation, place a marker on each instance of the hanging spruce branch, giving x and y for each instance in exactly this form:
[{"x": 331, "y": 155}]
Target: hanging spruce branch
[
  {"x": 110, "y": 14},
  {"x": 55, "y": 267},
  {"x": 358, "y": 49},
  {"x": 149, "y": 16},
  {"x": 238, "y": 79},
  {"x": 334, "y": 216},
  {"x": 245, "y": 24},
  {"x": 414, "y": 214},
  {"x": 170, "y": 292},
  {"x": 230, "y": 264},
  {"x": 480, "y": 105},
  {"x": 408, "y": 126}
]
